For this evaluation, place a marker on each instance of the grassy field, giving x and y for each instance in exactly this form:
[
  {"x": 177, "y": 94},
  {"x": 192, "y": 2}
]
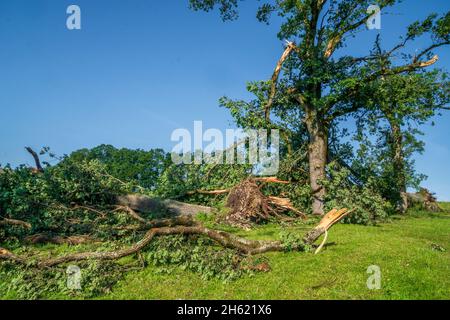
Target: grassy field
[
  {"x": 403, "y": 249},
  {"x": 408, "y": 250}
]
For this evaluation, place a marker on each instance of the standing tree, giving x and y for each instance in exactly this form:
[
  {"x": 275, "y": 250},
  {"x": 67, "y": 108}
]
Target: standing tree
[
  {"x": 401, "y": 103},
  {"x": 318, "y": 87}
]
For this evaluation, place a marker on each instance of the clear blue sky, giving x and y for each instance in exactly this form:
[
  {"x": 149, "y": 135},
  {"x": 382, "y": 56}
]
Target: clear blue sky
[{"x": 140, "y": 69}]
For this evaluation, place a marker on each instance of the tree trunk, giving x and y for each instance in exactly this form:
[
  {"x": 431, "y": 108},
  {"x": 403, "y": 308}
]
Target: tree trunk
[
  {"x": 399, "y": 165},
  {"x": 318, "y": 151},
  {"x": 152, "y": 205}
]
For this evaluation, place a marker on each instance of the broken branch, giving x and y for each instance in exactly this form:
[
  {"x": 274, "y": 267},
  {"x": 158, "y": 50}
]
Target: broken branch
[
  {"x": 274, "y": 80},
  {"x": 14, "y": 222},
  {"x": 36, "y": 159}
]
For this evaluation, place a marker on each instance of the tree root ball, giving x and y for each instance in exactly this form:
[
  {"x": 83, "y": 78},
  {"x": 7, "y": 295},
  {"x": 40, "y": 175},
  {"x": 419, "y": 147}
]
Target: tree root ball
[{"x": 247, "y": 205}]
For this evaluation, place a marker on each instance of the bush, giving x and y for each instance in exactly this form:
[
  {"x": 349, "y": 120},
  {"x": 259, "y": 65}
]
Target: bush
[
  {"x": 369, "y": 206},
  {"x": 46, "y": 199}
]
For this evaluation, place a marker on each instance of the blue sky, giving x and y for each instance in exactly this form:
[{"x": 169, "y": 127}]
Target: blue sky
[{"x": 140, "y": 69}]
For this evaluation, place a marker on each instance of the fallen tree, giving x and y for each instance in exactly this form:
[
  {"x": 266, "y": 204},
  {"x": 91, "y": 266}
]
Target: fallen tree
[
  {"x": 143, "y": 203},
  {"x": 247, "y": 204},
  {"x": 245, "y": 201},
  {"x": 424, "y": 199},
  {"x": 225, "y": 239},
  {"x": 87, "y": 214}
]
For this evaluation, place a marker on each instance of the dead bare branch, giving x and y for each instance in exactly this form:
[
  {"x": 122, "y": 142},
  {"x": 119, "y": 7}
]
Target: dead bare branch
[{"x": 36, "y": 159}]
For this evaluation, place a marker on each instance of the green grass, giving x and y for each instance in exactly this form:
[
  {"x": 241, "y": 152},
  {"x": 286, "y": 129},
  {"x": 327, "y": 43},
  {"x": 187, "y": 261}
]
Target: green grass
[
  {"x": 410, "y": 268},
  {"x": 403, "y": 249}
]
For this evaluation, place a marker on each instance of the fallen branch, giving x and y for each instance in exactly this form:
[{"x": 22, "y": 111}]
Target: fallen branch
[
  {"x": 14, "y": 222},
  {"x": 285, "y": 204},
  {"x": 184, "y": 220},
  {"x": 160, "y": 223},
  {"x": 9, "y": 256},
  {"x": 329, "y": 220},
  {"x": 61, "y": 206},
  {"x": 131, "y": 213},
  {"x": 273, "y": 82},
  {"x": 225, "y": 191},
  {"x": 271, "y": 180},
  {"x": 424, "y": 198},
  {"x": 36, "y": 159},
  {"x": 323, "y": 243},
  {"x": 71, "y": 240},
  {"x": 225, "y": 239},
  {"x": 209, "y": 192}
]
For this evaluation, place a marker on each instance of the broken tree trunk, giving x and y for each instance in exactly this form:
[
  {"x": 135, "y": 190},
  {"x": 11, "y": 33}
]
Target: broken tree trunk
[
  {"x": 225, "y": 239},
  {"x": 329, "y": 220},
  {"x": 152, "y": 205}
]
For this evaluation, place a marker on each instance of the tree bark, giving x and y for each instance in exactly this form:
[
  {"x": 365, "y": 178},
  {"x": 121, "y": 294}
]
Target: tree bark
[
  {"x": 36, "y": 159},
  {"x": 398, "y": 162},
  {"x": 13, "y": 222},
  {"x": 146, "y": 204},
  {"x": 317, "y": 151}
]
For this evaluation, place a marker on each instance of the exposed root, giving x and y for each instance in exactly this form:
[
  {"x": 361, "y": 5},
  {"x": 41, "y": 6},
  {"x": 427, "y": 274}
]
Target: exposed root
[{"x": 249, "y": 205}]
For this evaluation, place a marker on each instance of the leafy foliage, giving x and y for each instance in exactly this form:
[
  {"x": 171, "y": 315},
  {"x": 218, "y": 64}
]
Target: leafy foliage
[
  {"x": 51, "y": 199},
  {"x": 142, "y": 168},
  {"x": 31, "y": 284},
  {"x": 195, "y": 254},
  {"x": 369, "y": 206}
]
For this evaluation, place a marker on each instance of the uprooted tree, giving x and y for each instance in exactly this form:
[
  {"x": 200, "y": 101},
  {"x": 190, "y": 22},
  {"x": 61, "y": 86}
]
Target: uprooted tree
[
  {"x": 185, "y": 226},
  {"x": 78, "y": 202},
  {"x": 137, "y": 203}
]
